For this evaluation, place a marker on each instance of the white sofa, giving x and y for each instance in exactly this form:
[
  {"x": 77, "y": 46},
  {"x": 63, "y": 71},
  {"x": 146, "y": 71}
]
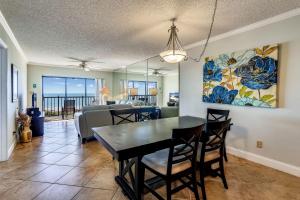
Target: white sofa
[{"x": 94, "y": 116}]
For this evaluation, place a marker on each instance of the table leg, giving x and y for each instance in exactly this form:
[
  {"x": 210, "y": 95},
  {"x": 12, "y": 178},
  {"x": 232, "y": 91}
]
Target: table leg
[
  {"x": 139, "y": 178},
  {"x": 135, "y": 191}
]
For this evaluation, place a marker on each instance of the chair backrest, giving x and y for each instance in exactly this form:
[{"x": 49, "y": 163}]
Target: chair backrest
[
  {"x": 121, "y": 116},
  {"x": 69, "y": 104},
  {"x": 147, "y": 113},
  {"x": 184, "y": 146},
  {"x": 215, "y": 135},
  {"x": 217, "y": 114}
]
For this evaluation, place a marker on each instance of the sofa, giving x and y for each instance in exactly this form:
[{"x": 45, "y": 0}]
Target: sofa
[
  {"x": 94, "y": 116},
  {"x": 167, "y": 112},
  {"x": 99, "y": 115}
]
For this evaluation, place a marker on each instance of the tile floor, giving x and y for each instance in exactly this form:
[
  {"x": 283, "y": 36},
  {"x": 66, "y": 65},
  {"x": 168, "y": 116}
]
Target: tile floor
[{"x": 57, "y": 166}]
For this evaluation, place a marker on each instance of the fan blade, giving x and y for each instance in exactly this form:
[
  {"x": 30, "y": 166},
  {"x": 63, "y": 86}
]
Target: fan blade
[
  {"x": 95, "y": 62},
  {"x": 72, "y": 58}
]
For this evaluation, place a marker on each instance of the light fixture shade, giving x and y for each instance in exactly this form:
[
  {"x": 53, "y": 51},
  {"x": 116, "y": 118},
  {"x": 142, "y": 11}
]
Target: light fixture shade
[
  {"x": 172, "y": 56},
  {"x": 86, "y": 69},
  {"x": 153, "y": 91},
  {"x": 174, "y": 52},
  {"x": 133, "y": 91}
]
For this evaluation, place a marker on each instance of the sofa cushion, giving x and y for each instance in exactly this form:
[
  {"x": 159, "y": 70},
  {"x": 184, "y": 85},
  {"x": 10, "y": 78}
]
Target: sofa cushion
[
  {"x": 97, "y": 107},
  {"x": 120, "y": 106}
]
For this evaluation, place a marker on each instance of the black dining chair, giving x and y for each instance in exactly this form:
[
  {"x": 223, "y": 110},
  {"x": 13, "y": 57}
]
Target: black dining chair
[
  {"x": 218, "y": 115},
  {"x": 176, "y": 162},
  {"x": 147, "y": 113},
  {"x": 212, "y": 152},
  {"x": 121, "y": 116}
]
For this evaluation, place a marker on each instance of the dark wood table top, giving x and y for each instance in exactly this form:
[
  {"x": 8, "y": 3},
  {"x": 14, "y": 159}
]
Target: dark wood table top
[{"x": 126, "y": 141}]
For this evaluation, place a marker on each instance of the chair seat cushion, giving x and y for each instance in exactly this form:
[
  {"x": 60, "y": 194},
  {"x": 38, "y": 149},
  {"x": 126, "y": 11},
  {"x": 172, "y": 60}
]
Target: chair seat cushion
[
  {"x": 210, "y": 155},
  {"x": 158, "y": 161}
]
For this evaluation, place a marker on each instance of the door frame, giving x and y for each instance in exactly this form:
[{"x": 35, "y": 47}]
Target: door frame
[{"x": 3, "y": 101}]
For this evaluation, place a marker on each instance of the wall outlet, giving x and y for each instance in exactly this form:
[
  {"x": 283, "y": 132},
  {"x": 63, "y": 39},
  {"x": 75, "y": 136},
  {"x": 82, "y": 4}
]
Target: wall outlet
[{"x": 259, "y": 144}]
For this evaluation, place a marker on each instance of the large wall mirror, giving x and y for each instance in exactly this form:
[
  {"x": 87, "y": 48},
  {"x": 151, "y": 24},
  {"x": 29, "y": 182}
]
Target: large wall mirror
[{"x": 149, "y": 82}]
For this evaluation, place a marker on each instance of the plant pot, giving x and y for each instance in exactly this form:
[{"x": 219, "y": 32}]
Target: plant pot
[{"x": 26, "y": 135}]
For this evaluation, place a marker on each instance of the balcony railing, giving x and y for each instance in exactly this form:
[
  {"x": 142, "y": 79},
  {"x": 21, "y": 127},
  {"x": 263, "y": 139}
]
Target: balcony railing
[{"x": 52, "y": 106}]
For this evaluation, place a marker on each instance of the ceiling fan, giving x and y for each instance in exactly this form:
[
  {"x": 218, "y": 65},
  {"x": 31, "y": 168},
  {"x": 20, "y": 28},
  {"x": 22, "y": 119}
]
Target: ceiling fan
[
  {"x": 158, "y": 72},
  {"x": 83, "y": 63}
]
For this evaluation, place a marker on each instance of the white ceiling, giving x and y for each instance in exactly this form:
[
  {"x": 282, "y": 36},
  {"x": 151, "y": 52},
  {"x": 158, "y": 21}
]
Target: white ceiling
[{"x": 121, "y": 32}]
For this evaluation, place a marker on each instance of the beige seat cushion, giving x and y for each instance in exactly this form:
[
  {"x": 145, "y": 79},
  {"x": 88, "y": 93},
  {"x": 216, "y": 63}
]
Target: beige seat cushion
[
  {"x": 208, "y": 155},
  {"x": 158, "y": 161}
]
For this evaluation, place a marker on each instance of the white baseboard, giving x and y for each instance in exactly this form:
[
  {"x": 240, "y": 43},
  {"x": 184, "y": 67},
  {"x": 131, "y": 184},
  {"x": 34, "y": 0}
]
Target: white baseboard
[
  {"x": 11, "y": 148},
  {"x": 281, "y": 166}
]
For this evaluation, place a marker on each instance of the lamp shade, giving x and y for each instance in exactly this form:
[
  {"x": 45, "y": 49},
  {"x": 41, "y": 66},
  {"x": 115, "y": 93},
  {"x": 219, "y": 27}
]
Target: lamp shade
[
  {"x": 153, "y": 91},
  {"x": 173, "y": 56},
  {"x": 133, "y": 91}
]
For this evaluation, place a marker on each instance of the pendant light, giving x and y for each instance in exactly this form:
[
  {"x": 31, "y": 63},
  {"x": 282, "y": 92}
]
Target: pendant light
[{"x": 174, "y": 52}]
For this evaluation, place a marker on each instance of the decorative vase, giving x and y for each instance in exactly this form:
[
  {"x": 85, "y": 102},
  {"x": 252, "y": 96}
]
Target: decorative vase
[{"x": 26, "y": 135}]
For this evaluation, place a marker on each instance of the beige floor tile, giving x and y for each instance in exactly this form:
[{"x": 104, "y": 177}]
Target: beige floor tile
[
  {"x": 104, "y": 179},
  {"x": 6, "y": 184},
  {"x": 78, "y": 176},
  {"x": 9, "y": 166},
  {"x": 51, "y": 174},
  {"x": 94, "y": 194},
  {"x": 49, "y": 147},
  {"x": 71, "y": 160},
  {"x": 58, "y": 192},
  {"x": 26, "y": 171},
  {"x": 119, "y": 195},
  {"x": 67, "y": 149},
  {"x": 27, "y": 190},
  {"x": 98, "y": 160},
  {"x": 51, "y": 158}
]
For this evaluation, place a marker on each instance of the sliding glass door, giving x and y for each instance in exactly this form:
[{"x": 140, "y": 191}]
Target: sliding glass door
[{"x": 56, "y": 90}]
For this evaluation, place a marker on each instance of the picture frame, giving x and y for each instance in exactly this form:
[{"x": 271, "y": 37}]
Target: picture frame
[{"x": 14, "y": 83}]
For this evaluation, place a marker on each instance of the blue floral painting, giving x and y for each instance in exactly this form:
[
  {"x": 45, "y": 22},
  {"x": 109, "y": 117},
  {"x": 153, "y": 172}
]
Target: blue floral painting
[{"x": 244, "y": 78}]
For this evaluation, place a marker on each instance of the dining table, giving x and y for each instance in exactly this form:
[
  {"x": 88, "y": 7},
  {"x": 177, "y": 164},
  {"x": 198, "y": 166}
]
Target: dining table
[{"x": 129, "y": 142}]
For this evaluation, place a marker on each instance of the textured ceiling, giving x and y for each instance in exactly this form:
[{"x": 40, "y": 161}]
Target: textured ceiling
[{"x": 121, "y": 32}]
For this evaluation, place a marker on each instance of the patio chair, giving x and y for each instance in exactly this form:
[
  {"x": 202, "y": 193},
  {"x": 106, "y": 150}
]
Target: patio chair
[{"x": 68, "y": 108}]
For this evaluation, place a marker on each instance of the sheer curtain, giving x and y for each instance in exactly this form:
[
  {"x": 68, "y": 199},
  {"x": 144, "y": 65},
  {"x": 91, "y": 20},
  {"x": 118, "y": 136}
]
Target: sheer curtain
[{"x": 100, "y": 86}]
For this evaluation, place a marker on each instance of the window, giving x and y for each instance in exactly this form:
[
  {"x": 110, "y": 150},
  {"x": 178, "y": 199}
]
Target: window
[
  {"x": 54, "y": 86},
  {"x": 75, "y": 87},
  {"x": 141, "y": 86},
  {"x": 90, "y": 87},
  {"x": 68, "y": 87}
]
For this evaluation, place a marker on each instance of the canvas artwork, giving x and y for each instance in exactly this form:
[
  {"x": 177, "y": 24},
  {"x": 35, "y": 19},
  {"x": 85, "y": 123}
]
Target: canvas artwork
[{"x": 243, "y": 78}]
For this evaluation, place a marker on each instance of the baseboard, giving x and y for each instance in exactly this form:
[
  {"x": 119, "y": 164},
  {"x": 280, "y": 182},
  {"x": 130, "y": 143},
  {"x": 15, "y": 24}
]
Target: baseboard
[
  {"x": 281, "y": 166},
  {"x": 11, "y": 148}
]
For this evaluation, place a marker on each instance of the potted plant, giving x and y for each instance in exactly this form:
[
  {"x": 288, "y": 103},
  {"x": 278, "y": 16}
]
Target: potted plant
[{"x": 24, "y": 132}]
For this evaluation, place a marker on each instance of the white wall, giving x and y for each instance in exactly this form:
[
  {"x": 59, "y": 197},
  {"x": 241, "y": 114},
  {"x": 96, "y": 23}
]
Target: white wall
[
  {"x": 16, "y": 58},
  {"x": 35, "y": 74},
  {"x": 279, "y": 128},
  {"x": 170, "y": 84}
]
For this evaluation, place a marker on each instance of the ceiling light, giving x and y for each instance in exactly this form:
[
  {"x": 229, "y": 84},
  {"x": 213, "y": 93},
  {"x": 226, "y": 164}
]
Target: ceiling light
[
  {"x": 174, "y": 52},
  {"x": 86, "y": 69}
]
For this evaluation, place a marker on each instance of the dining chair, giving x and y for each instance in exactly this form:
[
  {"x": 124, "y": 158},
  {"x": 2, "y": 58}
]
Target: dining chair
[
  {"x": 147, "y": 113},
  {"x": 121, "y": 116},
  {"x": 211, "y": 152},
  {"x": 218, "y": 115},
  {"x": 176, "y": 162}
]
